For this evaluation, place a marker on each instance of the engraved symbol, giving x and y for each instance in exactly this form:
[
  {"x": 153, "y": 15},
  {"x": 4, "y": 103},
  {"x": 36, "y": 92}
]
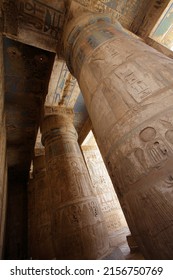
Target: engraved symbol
[
  {"x": 157, "y": 150},
  {"x": 148, "y": 134},
  {"x": 94, "y": 208},
  {"x": 75, "y": 214}
]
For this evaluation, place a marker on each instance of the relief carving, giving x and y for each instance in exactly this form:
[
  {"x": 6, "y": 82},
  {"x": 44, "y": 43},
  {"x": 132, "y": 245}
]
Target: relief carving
[
  {"x": 156, "y": 149},
  {"x": 73, "y": 203},
  {"x": 40, "y": 17},
  {"x": 153, "y": 153},
  {"x": 107, "y": 199}
]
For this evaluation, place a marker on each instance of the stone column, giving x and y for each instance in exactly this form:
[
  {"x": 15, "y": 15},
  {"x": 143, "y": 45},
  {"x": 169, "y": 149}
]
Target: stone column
[
  {"x": 39, "y": 219},
  {"x": 128, "y": 91},
  {"x": 3, "y": 163},
  {"x": 78, "y": 228}
]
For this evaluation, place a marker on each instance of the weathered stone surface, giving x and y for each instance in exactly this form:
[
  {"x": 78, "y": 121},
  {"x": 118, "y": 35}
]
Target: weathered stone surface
[
  {"x": 105, "y": 193},
  {"x": 40, "y": 239},
  {"x": 27, "y": 72},
  {"x": 37, "y": 23},
  {"x": 130, "y": 105},
  {"x": 78, "y": 228}
]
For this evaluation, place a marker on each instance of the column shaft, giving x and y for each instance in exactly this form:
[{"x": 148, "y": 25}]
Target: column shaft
[
  {"x": 79, "y": 231},
  {"x": 127, "y": 87},
  {"x": 39, "y": 218}
]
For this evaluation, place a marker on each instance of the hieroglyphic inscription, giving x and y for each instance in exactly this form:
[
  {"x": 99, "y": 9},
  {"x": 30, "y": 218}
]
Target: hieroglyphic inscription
[
  {"x": 75, "y": 209},
  {"x": 65, "y": 86},
  {"x": 40, "y": 17},
  {"x": 103, "y": 189},
  {"x": 157, "y": 150},
  {"x": 61, "y": 110},
  {"x": 82, "y": 219},
  {"x": 151, "y": 152},
  {"x": 136, "y": 85}
]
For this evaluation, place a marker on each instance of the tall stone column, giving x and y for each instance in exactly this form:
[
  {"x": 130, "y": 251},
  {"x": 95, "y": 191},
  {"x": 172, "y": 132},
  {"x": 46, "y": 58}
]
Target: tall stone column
[
  {"x": 39, "y": 218},
  {"x": 3, "y": 163},
  {"x": 128, "y": 91},
  {"x": 78, "y": 228}
]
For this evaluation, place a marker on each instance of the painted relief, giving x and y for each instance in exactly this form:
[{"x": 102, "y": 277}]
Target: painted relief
[
  {"x": 66, "y": 90},
  {"x": 122, "y": 10},
  {"x": 37, "y": 16},
  {"x": 40, "y": 17}
]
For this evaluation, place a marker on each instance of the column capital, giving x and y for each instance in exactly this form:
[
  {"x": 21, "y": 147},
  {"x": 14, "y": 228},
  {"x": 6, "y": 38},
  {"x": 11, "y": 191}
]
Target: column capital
[
  {"x": 58, "y": 123},
  {"x": 59, "y": 110},
  {"x": 82, "y": 32}
]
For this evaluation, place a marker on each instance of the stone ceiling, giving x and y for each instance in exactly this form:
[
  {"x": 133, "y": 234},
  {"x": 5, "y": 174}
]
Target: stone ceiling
[{"x": 32, "y": 32}]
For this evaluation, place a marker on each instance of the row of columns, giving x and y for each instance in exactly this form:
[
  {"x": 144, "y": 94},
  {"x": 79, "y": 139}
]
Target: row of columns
[{"x": 127, "y": 88}]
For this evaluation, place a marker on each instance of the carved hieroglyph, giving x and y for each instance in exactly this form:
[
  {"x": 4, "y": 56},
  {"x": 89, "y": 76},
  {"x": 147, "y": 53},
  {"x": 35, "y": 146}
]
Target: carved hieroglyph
[
  {"x": 35, "y": 21},
  {"x": 105, "y": 193},
  {"x": 63, "y": 91},
  {"x": 39, "y": 219},
  {"x": 78, "y": 228},
  {"x": 127, "y": 87}
]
